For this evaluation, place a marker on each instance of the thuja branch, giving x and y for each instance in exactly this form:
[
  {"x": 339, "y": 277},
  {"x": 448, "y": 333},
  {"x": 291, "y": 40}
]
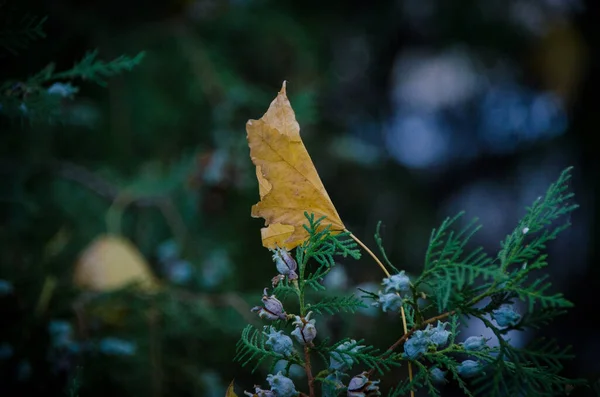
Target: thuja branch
[
  {"x": 407, "y": 335},
  {"x": 402, "y": 312},
  {"x": 432, "y": 320},
  {"x": 455, "y": 279}
]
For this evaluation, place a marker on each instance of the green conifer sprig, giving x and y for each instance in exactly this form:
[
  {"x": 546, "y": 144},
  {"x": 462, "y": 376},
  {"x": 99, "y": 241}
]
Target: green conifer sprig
[
  {"x": 337, "y": 304},
  {"x": 540, "y": 317},
  {"x": 30, "y": 99},
  {"x": 538, "y": 221},
  {"x": 90, "y": 68},
  {"x": 457, "y": 282},
  {"x": 322, "y": 245},
  {"x": 404, "y": 386},
  {"x": 251, "y": 346},
  {"x": 447, "y": 268},
  {"x": 379, "y": 242},
  {"x": 522, "y": 364},
  {"x": 15, "y": 37},
  {"x": 370, "y": 356},
  {"x": 283, "y": 289}
]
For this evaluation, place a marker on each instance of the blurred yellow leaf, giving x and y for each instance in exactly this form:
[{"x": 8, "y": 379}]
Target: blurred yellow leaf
[
  {"x": 111, "y": 262},
  {"x": 560, "y": 59},
  {"x": 289, "y": 184},
  {"x": 230, "y": 392}
]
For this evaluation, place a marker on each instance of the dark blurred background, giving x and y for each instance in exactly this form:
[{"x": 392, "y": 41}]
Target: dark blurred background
[{"x": 412, "y": 110}]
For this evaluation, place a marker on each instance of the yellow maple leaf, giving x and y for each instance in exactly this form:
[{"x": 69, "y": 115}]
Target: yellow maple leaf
[
  {"x": 111, "y": 262},
  {"x": 289, "y": 184}
]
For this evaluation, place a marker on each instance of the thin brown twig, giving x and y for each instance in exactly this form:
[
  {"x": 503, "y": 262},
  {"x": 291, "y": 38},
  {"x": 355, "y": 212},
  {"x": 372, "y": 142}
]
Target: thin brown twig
[{"x": 308, "y": 369}]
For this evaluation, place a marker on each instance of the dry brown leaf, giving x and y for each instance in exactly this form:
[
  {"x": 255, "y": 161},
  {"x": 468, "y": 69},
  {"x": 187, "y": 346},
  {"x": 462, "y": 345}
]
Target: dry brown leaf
[
  {"x": 111, "y": 262},
  {"x": 289, "y": 184},
  {"x": 276, "y": 234}
]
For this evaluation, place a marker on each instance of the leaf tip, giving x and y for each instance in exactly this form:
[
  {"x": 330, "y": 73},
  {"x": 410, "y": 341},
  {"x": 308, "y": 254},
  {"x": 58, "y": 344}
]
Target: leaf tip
[
  {"x": 230, "y": 392},
  {"x": 283, "y": 86}
]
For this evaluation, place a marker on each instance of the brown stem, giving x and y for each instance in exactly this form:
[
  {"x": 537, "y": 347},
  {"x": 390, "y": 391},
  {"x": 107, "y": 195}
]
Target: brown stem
[{"x": 308, "y": 369}]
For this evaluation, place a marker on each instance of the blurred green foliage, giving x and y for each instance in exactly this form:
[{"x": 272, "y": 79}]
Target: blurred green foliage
[{"x": 159, "y": 155}]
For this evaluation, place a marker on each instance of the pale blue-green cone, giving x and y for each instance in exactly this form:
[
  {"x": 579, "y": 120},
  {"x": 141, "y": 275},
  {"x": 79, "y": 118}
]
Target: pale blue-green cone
[
  {"x": 279, "y": 342},
  {"x": 439, "y": 335},
  {"x": 389, "y": 302},
  {"x": 468, "y": 368},
  {"x": 505, "y": 316},
  {"x": 339, "y": 360},
  {"x": 332, "y": 385},
  {"x": 417, "y": 345},
  {"x": 474, "y": 343},
  {"x": 397, "y": 283},
  {"x": 437, "y": 375},
  {"x": 282, "y": 386}
]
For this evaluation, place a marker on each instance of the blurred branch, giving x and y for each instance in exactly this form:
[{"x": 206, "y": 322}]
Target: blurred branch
[
  {"x": 155, "y": 351},
  {"x": 100, "y": 186},
  {"x": 228, "y": 299},
  {"x": 103, "y": 188},
  {"x": 201, "y": 65},
  {"x": 232, "y": 300},
  {"x": 48, "y": 289},
  {"x": 175, "y": 221}
]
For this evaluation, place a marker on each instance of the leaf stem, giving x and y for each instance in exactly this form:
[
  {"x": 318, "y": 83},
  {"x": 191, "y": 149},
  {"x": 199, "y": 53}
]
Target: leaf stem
[
  {"x": 402, "y": 313},
  {"x": 369, "y": 252}
]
